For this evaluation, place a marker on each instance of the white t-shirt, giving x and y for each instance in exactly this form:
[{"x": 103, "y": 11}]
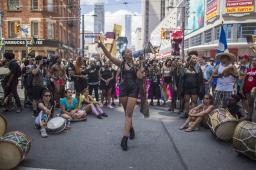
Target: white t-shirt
[{"x": 225, "y": 83}]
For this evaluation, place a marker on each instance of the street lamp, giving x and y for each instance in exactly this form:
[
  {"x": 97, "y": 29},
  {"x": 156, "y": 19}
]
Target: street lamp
[
  {"x": 182, "y": 29},
  {"x": 94, "y": 15}
]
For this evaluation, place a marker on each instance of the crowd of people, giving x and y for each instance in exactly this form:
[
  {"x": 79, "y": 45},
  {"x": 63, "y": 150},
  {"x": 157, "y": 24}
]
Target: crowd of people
[{"x": 75, "y": 88}]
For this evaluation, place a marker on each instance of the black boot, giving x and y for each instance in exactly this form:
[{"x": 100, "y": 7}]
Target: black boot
[
  {"x": 132, "y": 134},
  {"x": 124, "y": 143}
]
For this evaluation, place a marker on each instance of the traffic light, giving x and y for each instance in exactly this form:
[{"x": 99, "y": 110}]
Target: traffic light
[{"x": 17, "y": 28}]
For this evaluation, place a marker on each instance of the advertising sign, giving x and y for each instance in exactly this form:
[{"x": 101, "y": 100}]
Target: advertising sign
[
  {"x": 239, "y": 6},
  {"x": 212, "y": 13},
  {"x": 196, "y": 10}
]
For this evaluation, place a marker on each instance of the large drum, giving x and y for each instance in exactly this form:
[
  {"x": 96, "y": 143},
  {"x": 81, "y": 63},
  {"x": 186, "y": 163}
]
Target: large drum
[
  {"x": 222, "y": 124},
  {"x": 244, "y": 139},
  {"x": 14, "y": 146},
  {"x": 3, "y": 125},
  {"x": 56, "y": 125}
]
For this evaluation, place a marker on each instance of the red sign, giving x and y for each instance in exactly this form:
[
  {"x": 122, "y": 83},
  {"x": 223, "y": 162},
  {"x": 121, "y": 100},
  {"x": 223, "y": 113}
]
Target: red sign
[{"x": 239, "y": 6}]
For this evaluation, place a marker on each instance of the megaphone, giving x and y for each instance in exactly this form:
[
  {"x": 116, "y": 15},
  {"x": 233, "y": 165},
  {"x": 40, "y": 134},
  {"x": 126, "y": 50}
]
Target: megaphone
[{"x": 148, "y": 49}]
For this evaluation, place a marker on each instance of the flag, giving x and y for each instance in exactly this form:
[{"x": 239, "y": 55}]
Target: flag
[{"x": 223, "y": 46}]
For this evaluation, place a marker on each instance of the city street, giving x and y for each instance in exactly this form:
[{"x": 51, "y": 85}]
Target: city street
[{"x": 159, "y": 145}]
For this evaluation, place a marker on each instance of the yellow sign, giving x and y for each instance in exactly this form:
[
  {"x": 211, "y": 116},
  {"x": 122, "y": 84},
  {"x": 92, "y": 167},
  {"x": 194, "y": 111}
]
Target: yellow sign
[
  {"x": 241, "y": 9},
  {"x": 211, "y": 15},
  {"x": 117, "y": 30}
]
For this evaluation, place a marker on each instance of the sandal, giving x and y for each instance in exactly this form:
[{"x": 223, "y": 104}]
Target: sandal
[
  {"x": 189, "y": 129},
  {"x": 182, "y": 127}
]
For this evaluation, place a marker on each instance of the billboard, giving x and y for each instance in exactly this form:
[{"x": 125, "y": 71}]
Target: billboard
[
  {"x": 239, "y": 6},
  {"x": 212, "y": 12},
  {"x": 195, "y": 13}
]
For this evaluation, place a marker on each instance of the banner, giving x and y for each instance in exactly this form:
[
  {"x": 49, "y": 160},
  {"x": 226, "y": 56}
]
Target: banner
[
  {"x": 196, "y": 13},
  {"x": 239, "y": 6},
  {"x": 212, "y": 12}
]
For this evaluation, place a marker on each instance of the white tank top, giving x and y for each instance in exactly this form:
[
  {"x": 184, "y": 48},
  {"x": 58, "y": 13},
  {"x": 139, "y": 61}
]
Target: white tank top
[{"x": 225, "y": 83}]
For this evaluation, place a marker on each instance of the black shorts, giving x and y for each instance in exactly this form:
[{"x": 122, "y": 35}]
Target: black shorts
[
  {"x": 190, "y": 91},
  {"x": 103, "y": 85},
  {"x": 37, "y": 92},
  {"x": 167, "y": 80},
  {"x": 129, "y": 90}
]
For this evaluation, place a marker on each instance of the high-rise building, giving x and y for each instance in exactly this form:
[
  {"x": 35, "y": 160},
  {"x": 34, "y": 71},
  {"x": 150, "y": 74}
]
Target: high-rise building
[
  {"x": 138, "y": 39},
  {"x": 128, "y": 28},
  {"x": 53, "y": 25},
  {"x": 152, "y": 14},
  {"x": 99, "y": 18}
]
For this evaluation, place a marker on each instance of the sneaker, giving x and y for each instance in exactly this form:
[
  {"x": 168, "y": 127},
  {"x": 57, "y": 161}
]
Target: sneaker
[
  {"x": 111, "y": 107},
  {"x": 43, "y": 133},
  {"x": 104, "y": 115}
]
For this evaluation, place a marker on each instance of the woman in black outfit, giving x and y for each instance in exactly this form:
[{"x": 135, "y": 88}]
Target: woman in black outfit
[{"x": 128, "y": 89}]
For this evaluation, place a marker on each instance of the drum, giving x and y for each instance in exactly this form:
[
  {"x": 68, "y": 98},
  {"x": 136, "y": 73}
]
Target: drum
[
  {"x": 222, "y": 124},
  {"x": 244, "y": 139},
  {"x": 4, "y": 71},
  {"x": 3, "y": 125},
  {"x": 14, "y": 146},
  {"x": 56, "y": 125}
]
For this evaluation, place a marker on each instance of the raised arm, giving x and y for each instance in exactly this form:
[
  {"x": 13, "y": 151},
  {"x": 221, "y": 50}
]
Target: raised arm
[{"x": 108, "y": 54}]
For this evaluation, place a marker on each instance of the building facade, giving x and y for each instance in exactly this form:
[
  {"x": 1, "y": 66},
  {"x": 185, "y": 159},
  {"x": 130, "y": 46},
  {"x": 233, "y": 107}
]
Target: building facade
[
  {"x": 99, "y": 18},
  {"x": 53, "y": 25},
  {"x": 203, "y": 20},
  {"x": 128, "y": 29},
  {"x": 153, "y": 12},
  {"x": 138, "y": 39}
]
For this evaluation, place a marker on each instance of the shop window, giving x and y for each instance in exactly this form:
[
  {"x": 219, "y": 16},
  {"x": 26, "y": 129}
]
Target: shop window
[
  {"x": 34, "y": 28},
  {"x": 196, "y": 40},
  {"x": 228, "y": 30},
  {"x": 34, "y": 5},
  {"x": 13, "y": 5}
]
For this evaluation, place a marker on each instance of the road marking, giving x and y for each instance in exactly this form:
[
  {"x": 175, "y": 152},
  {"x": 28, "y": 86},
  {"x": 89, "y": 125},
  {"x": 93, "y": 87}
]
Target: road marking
[{"x": 29, "y": 168}]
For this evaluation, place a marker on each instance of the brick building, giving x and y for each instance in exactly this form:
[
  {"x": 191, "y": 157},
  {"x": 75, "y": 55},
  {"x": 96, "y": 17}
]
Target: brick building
[{"x": 54, "y": 24}]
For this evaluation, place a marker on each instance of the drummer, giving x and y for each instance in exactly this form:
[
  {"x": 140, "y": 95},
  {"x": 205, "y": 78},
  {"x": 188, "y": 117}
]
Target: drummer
[
  {"x": 69, "y": 108},
  {"x": 45, "y": 108},
  {"x": 198, "y": 114}
]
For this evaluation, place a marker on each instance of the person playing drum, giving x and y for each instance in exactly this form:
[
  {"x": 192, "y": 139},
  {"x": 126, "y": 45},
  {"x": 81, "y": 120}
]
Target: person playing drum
[
  {"x": 87, "y": 103},
  {"x": 45, "y": 108},
  {"x": 198, "y": 114},
  {"x": 69, "y": 108}
]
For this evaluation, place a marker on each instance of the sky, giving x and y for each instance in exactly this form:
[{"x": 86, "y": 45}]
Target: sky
[{"x": 115, "y": 11}]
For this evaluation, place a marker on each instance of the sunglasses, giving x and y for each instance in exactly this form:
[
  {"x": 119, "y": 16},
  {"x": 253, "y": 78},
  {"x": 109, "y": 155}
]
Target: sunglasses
[
  {"x": 47, "y": 95},
  {"x": 206, "y": 98}
]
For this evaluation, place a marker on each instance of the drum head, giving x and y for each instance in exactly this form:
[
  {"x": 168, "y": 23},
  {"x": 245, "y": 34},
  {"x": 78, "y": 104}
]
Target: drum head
[
  {"x": 10, "y": 155},
  {"x": 56, "y": 125},
  {"x": 225, "y": 130},
  {"x": 3, "y": 125}
]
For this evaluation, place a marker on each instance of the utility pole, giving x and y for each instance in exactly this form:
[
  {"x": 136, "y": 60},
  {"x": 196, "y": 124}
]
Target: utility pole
[
  {"x": 83, "y": 36},
  {"x": 1, "y": 35}
]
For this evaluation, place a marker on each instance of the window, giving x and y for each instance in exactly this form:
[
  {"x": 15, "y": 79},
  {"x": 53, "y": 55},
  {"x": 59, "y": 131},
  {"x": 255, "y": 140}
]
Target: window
[
  {"x": 11, "y": 29},
  {"x": 34, "y": 5},
  {"x": 50, "y": 5},
  {"x": 246, "y": 29},
  {"x": 228, "y": 30},
  {"x": 34, "y": 28},
  {"x": 217, "y": 32},
  {"x": 50, "y": 31},
  {"x": 196, "y": 40},
  {"x": 14, "y": 5},
  {"x": 208, "y": 36}
]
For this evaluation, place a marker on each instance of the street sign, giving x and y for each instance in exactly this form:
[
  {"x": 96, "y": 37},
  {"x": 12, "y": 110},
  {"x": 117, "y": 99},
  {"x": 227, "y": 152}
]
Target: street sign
[
  {"x": 25, "y": 30},
  {"x": 91, "y": 35}
]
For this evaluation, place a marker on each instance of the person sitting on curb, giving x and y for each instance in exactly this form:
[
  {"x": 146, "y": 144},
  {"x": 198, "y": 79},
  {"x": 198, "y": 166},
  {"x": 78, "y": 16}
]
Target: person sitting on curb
[
  {"x": 198, "y": 114},
  {"x": 45, "y": 108},
  {"x": 69, "y": 108},
  {"x": 88, "y": 104}
]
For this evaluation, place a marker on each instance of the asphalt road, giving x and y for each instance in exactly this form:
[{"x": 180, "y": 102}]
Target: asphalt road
[{"x": 159, "y": 145}]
